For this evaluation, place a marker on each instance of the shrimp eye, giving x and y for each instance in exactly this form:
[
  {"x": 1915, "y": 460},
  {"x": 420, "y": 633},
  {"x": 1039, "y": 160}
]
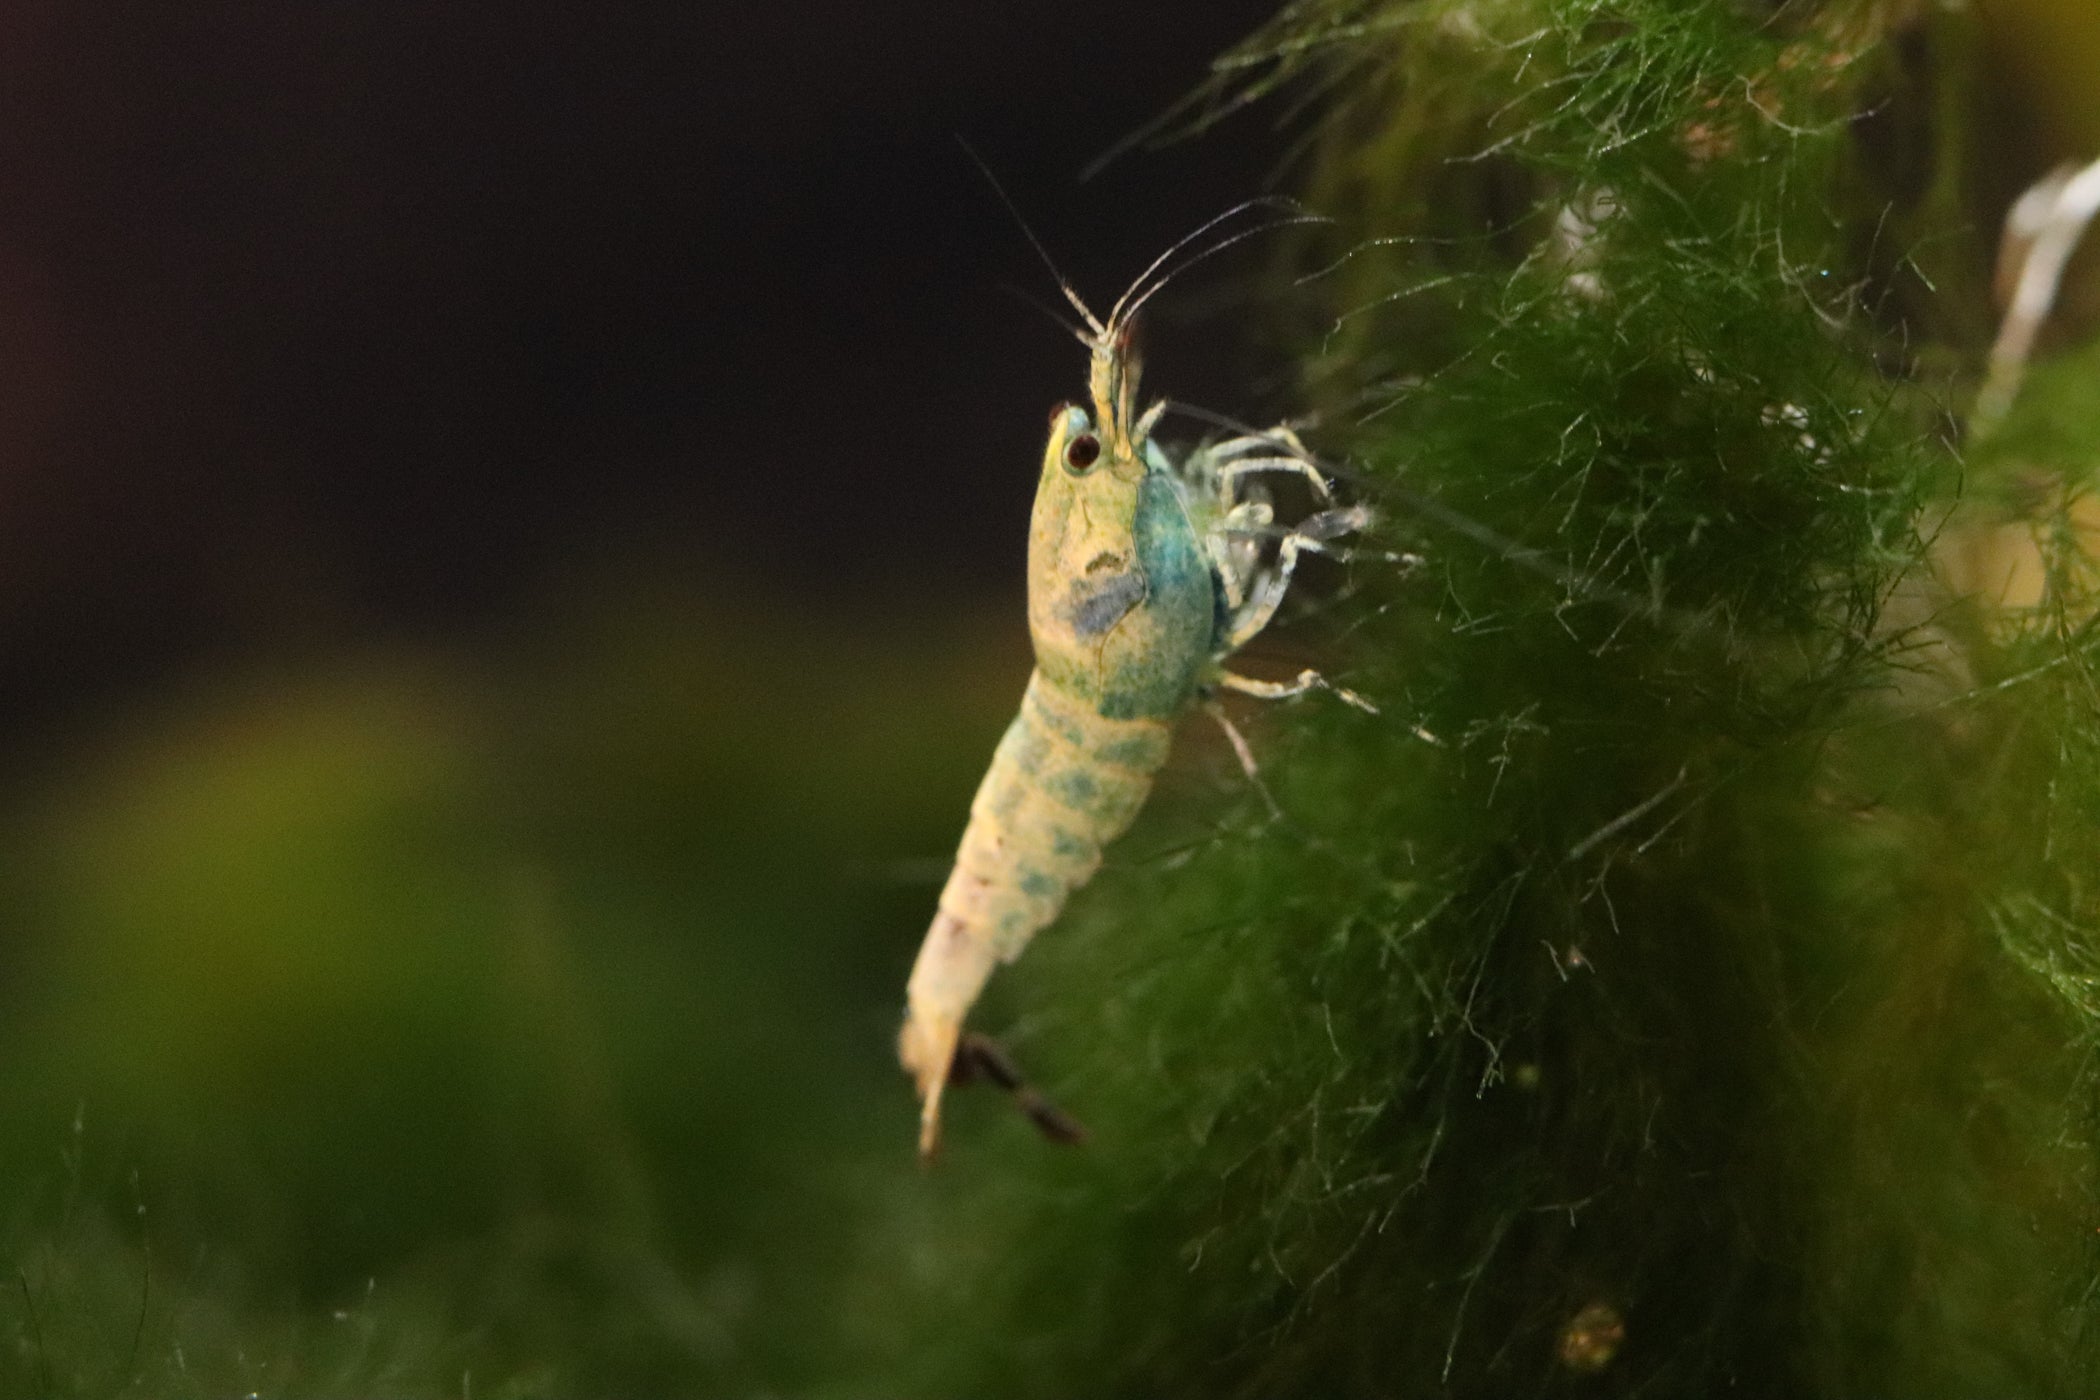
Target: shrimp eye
[{"x": 1082, "y": 452}]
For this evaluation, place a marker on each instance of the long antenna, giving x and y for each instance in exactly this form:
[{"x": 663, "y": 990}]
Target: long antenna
[
  {"x": 1063, "y": 321},
  {"x": 1259, "y": 202},
  {"x": 1093, "y": 321},
  {"x": 1132, "y": 300}
]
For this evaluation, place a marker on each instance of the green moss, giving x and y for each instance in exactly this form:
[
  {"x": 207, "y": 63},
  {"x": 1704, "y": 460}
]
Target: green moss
[{"x": 1690, "y": 937}]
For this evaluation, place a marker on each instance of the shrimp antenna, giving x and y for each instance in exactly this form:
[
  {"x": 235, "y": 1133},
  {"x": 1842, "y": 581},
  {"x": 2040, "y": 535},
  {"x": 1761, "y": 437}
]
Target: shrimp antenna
[
  {"x": 1100, "y": 331},
  {"x": 1036, "y": 302},
  {"x": 1139, "y": 293}
]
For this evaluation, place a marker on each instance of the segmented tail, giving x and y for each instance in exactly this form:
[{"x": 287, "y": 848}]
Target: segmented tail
[{"x": 1063, "y": 783}]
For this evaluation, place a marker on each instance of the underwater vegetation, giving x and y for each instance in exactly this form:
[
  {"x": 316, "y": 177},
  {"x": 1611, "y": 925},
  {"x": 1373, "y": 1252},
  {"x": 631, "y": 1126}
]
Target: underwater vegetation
[{"x": 1687, "y": 982}]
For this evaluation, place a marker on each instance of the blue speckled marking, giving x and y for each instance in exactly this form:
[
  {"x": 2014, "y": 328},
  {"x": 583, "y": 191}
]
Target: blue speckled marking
[
  {"x": 1074, "y": 787},
  {"x": 1036, "y": 885},
  {"x": 1095, "y": 605},
  {"x": 1026, "y": 747},
  {"x": 1154, "y": 676},
  {"x": 1140, "y": 752},
  {"x": 1068, "y": 845},
  {"x": 1049, "y": 719}
]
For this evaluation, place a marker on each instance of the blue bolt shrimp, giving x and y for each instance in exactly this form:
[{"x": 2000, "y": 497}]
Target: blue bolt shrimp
[{"x": 1143, "y": 577}]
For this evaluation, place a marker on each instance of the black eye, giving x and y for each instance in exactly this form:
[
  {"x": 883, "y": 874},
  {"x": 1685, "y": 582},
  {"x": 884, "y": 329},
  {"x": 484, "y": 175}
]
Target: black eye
[{"x": 1082, "y": 452}]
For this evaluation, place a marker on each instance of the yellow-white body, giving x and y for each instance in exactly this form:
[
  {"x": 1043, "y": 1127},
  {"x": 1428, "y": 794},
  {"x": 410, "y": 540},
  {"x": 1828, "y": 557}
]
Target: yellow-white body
[{"x": 1141, "y": 579}]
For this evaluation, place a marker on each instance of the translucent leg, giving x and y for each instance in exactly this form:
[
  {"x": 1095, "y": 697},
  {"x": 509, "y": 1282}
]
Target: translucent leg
[
  {"x": 1277, "y": 450},
  {"x": 1285, "y": 690},
  {"x": 1267, "y": 593},
  {"x": 1243, "y": 753},
  {"x": 979, "y": 1058}
]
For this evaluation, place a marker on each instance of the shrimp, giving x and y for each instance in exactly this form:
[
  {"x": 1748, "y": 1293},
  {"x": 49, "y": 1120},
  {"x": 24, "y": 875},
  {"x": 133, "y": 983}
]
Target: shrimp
[{"x": 1142, "y": 579}]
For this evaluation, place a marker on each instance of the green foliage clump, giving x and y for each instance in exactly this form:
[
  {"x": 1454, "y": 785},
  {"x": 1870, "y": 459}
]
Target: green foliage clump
[{"x": 1685, "y": 985}]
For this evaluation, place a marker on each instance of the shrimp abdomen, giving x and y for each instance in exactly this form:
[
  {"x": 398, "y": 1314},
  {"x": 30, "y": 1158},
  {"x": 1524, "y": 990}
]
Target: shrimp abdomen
[{"x": 1063, "y": 783}]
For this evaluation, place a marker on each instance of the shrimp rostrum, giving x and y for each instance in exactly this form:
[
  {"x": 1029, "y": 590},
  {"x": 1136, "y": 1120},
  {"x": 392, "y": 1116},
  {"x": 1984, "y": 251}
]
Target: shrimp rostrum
[{"x": 1143, "y": 577}]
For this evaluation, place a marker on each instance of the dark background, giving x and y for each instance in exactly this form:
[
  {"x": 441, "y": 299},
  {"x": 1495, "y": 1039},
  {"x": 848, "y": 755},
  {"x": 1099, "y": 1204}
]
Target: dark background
[{"x": 329, "y": 320}]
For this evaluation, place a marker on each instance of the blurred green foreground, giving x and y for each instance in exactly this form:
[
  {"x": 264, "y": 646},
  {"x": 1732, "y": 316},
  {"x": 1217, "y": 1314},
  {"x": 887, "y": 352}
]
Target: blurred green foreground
[{"x": 380, "y": 1024}]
